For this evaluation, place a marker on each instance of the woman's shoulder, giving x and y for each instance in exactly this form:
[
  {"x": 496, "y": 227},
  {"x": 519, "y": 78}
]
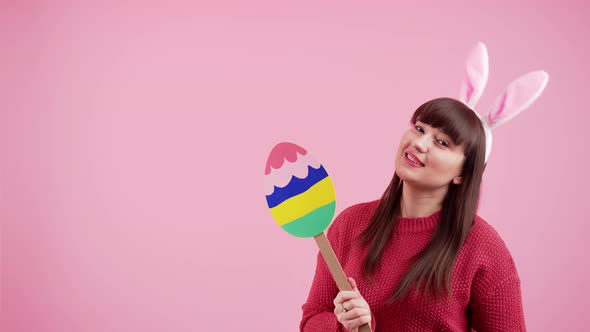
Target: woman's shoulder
[
  {"x": 490, "y": 257},
  {"x": 485, "y": 234},
  {"x": 359, "y": 210},
  {"x": 355, "y": 216},
  {"x": 485, "y": 243}
]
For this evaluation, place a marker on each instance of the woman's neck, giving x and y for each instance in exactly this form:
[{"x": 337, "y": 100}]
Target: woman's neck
[{"x": 417, "y": 202}]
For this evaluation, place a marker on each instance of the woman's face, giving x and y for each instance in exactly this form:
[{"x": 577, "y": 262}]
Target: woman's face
[{"x": 428, "y": 158}]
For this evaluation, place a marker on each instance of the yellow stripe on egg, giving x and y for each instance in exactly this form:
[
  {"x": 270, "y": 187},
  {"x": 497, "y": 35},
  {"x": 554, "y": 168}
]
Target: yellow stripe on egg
[{"x": 296, "y": 207}]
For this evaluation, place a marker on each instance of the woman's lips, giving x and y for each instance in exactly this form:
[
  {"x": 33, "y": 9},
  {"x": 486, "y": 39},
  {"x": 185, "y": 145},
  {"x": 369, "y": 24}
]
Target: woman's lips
[{"x": 413, "y": 160}]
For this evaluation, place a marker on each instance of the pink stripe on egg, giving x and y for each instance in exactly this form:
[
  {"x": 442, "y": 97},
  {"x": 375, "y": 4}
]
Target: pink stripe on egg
[{"x": 282, "y": 176}]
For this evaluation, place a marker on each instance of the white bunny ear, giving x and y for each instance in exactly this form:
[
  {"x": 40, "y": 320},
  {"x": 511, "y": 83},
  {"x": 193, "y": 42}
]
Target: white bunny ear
[
  {"x": 476, "y": 75},
  {"x": 517, "y": 97}
]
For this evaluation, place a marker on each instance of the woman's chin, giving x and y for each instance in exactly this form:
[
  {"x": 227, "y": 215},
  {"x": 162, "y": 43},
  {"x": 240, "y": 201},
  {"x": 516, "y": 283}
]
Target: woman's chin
[{"x": 404, "y": 175}]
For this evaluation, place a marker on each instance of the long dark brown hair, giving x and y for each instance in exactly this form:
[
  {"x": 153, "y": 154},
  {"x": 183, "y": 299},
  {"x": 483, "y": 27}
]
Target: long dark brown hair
[{"x": 432, "y": 267}]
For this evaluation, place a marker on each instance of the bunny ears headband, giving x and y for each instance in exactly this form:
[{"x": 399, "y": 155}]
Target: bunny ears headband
[{"x": 517, "y": 96}]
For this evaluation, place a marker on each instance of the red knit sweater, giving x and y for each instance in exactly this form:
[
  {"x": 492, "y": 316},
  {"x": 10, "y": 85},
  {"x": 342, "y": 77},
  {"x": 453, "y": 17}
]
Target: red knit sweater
[{"x": 485, "y": 287}]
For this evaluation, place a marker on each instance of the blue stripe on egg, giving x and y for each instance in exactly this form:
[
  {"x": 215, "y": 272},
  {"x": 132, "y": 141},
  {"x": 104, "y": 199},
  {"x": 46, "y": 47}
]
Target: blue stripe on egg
[{"x": 296, "y": 186}]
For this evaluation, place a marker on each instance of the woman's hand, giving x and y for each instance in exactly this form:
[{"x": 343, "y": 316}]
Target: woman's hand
[{"x": 351, "y": 308}]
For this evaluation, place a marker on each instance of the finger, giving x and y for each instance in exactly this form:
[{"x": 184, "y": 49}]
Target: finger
[
  {"x": 357, "y": 322},
  {"x": 342, "y": 313},
  {"x": 338, "y": 311},
  {"x": 351, "y": 305},
  {"x": 355, "y": 303},
  {"x": 344, "y": 296},
  {"x": 356, "y": 313},
  {"x": 345, "y": 317},
  {"x": 352, "y": 283},
  {"x": 340, "y": 308}
]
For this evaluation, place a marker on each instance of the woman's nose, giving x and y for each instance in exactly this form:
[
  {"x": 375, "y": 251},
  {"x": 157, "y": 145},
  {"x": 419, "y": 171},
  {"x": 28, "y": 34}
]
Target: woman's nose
[{"x": 421, "y": 143}]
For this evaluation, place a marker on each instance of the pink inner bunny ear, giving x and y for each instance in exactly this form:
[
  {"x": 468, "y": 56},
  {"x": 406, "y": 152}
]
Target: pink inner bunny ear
[
  {"x": 517, "y": 97},
  {"x": 476, "y": 75}
]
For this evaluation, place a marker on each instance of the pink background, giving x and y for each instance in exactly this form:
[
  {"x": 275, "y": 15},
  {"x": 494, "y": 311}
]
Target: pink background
[{"x": 134, "y": 138}]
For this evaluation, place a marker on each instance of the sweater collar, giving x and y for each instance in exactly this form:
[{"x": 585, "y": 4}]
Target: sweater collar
[{"x": 418, "y": 224}]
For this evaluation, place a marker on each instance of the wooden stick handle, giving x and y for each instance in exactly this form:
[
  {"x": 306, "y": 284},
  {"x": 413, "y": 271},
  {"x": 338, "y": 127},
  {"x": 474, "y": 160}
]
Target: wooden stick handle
[{"x": 335, "y": 268}]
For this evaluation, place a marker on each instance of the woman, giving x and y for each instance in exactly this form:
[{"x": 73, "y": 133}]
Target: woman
[{"x": 420, "y": 259}]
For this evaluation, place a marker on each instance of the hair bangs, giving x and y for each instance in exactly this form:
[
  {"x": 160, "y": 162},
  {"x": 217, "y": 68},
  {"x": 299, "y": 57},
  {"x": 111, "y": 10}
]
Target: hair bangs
[{"x": 453, "y": 118}]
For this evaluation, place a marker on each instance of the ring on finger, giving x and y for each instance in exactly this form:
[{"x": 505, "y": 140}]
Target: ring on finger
[{"x": 343, "y": 308}]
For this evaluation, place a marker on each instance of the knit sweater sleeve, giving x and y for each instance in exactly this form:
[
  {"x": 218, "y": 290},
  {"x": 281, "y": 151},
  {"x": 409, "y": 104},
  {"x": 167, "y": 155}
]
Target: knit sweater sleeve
[
  {"x": 318, "y": 311},
  {"x": 501, "y": 310},
  {"x": 496, "y": 300}
]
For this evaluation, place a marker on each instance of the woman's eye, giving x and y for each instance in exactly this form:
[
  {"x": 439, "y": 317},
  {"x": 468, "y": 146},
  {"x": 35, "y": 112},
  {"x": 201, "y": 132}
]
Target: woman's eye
[
  {"x": 442, "y": 142},
  {"x": 420, "y": 129}
]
